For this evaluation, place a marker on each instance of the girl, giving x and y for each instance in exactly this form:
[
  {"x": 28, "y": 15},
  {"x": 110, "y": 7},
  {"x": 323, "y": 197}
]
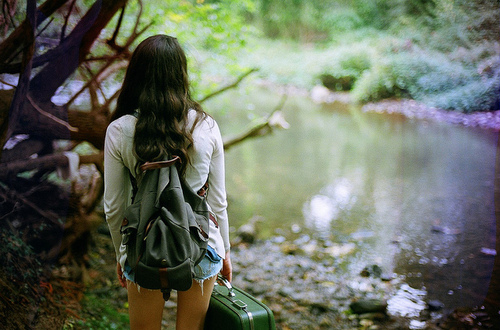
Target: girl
[{"x": 156, "y": 116}]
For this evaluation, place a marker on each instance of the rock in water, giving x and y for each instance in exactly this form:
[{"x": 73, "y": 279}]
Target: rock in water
[
  {"x": 247, "y": 233},
  {"x": 368, "y": 306},
  {"x": 435, "y": 305}
]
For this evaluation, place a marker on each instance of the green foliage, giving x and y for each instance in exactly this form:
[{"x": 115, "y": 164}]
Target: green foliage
[
  {"x": 313, "y": 20},
  {"x": 431, "y": 77},
  {"x": 328, "y": 19},
  {"x": 474, "y": 96},
  {"x": 307, "y": 20},
  {"x": 461, "y": 23},
  {"x": 352, "y": 60},
  {"x": 19, "y": 261},
  {"x": 375, "y": 13},
  {"x": 440, "y": 52},
  {"x": 97, "y": 314},
  {"x": 384, "y": 14},
  {"x": 377, "y": 83},
  {"x": 212, "y": 33},
  {"x": 345, "y": 64}
]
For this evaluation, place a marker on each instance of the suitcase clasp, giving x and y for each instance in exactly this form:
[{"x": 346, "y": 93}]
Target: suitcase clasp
[{"x": 240, "y": 304}]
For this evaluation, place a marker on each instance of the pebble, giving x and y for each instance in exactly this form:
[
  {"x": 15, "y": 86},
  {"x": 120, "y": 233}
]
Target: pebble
[{"x": 307, "y": 291}]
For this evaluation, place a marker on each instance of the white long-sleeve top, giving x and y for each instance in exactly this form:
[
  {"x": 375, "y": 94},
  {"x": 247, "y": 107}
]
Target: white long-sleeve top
[{"x": 207, "y": 161}]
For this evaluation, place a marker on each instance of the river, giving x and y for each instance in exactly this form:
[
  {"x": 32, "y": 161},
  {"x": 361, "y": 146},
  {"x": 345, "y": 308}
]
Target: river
[{"x": 411, "y": 196}]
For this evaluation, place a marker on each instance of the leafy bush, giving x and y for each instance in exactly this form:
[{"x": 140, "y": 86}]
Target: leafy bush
[
  {"x": 345, "y": 65},
  {"x": 433, "y": 78},
  {"x": 378, "y": 83},
  {"x": 477, "y": 95},
  {"x": 354, "y": 60}
]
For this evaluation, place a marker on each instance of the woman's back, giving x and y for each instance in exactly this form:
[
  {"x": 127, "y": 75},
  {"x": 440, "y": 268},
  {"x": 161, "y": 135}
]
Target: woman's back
[{"x": 154, "y": 119}]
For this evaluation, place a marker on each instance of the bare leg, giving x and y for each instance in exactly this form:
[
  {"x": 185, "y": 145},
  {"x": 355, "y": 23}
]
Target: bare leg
[
  {"x": 192, "y": 305},
  {"x": 145, "y": 308}
]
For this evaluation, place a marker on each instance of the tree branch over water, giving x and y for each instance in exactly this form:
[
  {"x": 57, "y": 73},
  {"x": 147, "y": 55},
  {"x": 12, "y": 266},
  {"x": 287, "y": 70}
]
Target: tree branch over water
[
  {"x": 274, "y": 120},
  {"x": 233, "y": 85}
]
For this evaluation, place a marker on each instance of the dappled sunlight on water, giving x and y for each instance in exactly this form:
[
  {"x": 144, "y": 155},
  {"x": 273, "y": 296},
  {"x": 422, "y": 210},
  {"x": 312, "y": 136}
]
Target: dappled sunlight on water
[{"x": 407, "y": 301}]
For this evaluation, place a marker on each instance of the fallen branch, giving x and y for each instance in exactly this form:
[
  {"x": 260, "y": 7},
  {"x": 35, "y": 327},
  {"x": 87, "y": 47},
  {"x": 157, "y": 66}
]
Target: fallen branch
[
  {"x": 51, "y": 116},
  {"x": 66, "y": 18},
  {"x": 13, "y": 195},
  {"x": 23, "y": 150},
  {"x": 274, "y": 120},
  {"x": 8, "y": 84},
  {"x": 50, "y": 162},
  {"x": 104, "y": 72}
]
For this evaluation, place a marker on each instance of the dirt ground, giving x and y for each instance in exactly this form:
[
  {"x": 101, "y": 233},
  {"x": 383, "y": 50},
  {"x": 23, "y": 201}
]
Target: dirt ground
[{"x": 60, "y": 302}]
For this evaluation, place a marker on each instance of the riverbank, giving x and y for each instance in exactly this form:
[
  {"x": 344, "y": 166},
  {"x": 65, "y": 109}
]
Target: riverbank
[
  {"x": 412, "y": 109},
  {"x": 304, "y": 282},
  {"x": 306, "y": 286}
]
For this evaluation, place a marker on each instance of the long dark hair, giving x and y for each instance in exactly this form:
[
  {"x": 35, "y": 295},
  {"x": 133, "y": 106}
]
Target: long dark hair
[{"x": 156, "y": 83}]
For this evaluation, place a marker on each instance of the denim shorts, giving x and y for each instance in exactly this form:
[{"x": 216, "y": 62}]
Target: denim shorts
[{"x": 208, "y": 267}]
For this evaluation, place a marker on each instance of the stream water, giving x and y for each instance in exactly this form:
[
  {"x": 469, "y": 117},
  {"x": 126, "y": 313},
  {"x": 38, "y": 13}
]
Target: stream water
[{"x": 413, "y": 197}]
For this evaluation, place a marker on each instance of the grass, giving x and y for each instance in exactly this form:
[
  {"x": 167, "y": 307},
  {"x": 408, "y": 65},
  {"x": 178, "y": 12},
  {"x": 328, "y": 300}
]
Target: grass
[{"x": 98, "y": 313}]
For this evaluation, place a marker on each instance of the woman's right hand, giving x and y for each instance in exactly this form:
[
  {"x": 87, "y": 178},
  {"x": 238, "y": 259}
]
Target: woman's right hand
[{"x": 227, "y": 267}]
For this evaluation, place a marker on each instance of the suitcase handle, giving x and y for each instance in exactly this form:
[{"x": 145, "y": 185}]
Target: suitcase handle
[{"x": 225, "y": 282}]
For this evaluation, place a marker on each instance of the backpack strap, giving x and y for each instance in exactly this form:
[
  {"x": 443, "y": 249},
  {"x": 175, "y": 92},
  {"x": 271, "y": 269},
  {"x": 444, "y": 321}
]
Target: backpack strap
[{"x": 164, "y": 163}]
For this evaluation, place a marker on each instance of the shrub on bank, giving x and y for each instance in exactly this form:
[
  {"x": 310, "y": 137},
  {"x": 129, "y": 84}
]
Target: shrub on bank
[
  {"x": 379, "y": 82},
  {"x": 433, "y": 78},
  {"x": 344, "y": 65}
]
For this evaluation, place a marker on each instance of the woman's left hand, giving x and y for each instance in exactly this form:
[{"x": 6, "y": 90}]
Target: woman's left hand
[
  {"x": 227, "y": 267},
  {"x": 121, "y": 278}
]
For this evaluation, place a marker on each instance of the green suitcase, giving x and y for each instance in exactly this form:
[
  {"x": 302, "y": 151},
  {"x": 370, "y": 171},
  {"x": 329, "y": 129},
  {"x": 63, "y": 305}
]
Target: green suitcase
[{"x": 234, "y": 309}]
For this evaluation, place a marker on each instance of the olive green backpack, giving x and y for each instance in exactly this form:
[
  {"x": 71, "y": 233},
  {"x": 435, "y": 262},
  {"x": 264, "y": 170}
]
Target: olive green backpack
[{"x": 165, "y": 229}]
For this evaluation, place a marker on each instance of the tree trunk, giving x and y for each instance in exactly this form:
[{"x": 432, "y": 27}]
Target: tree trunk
[
  {"x": 40, "y": 117},
  {"x": 28, "y": 109}
]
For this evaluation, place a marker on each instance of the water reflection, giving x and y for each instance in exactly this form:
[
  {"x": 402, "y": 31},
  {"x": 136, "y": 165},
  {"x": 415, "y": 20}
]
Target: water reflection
[{"x": 322, "y": 209}]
